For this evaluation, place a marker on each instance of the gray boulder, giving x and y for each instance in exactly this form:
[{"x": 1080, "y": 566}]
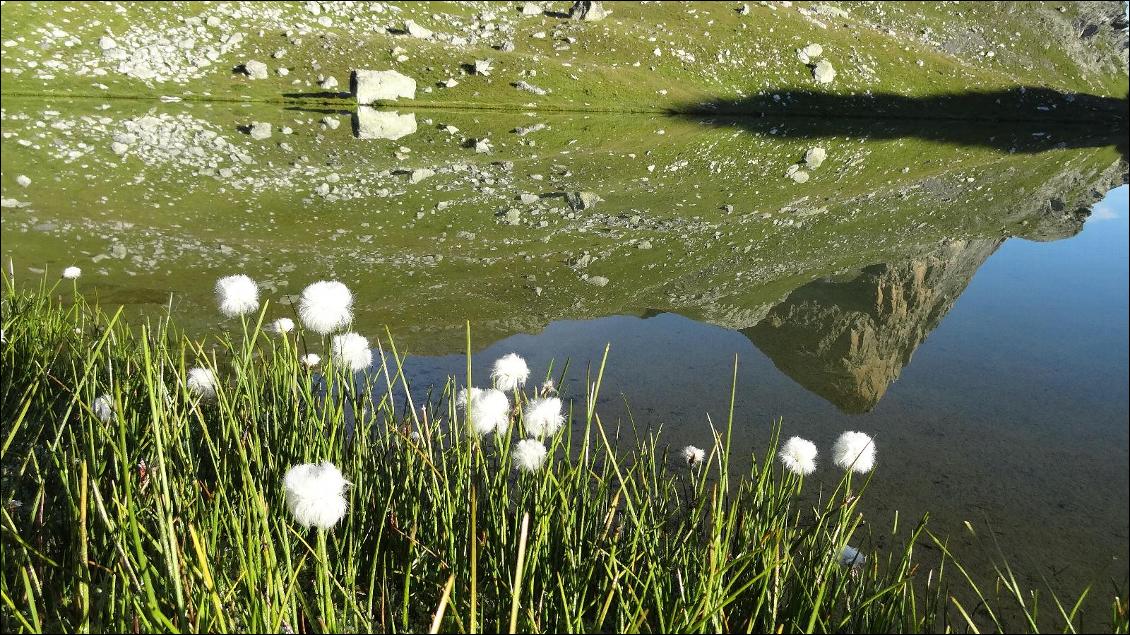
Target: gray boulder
[{"x": 369, "y": 86}]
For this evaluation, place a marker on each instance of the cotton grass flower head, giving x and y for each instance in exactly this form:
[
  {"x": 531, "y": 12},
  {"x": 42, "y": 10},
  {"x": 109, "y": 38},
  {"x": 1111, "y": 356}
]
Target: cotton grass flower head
[
  {"x": 237, "y": 295},
  {"x": 799, "y": 456},
  {"x": 543, "y": 417},
  {"x": 854, "y": 451},
  {"x": 202, "y": 382},
  {"x": 326, "y": 306},
  {"x": 693, "y": 455},
  {"x": 281, "y": 326},
  {"x": 314, "y": 494},
  {"x": 103, "y": 408},
  {"x": 529, "y": 455},
  {"x": 71, "y": 273},
  {"x": 311, "y": 360},
  {"x": 490, "y": 409},
  {"x": 351, "y": 351},
  {"x": 510, "y": 372}
]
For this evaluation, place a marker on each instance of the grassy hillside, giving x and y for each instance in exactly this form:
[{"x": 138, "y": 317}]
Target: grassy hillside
[{"x": 644, "y": 57}]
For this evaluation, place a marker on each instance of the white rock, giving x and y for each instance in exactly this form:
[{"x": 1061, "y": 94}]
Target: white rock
[
  {"x": 415, "y": 30},
  {"x": 420, "y": 174},
  {"x": 532, "y": 8},
  {"x": 800, "y": 176},
  {"x": 369, "y": 86},
  {"x": 824, "y": 73},
  {"x": 483, "y": 67},
  {"x": 107, "y": 43},
  {"x": 813, "y": 51},
  {"x": 260, "y": 130},
  {"x": 23, "y": 180},
  {"x": 383, "y": 124},
  {"x": 327, "y": 83},
  {"x": 815, "y": 156},
  {"x": 255, "y": 69}
]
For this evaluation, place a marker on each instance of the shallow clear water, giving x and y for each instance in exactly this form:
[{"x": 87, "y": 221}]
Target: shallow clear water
[
  {"x": 1011, "y": 414},
  {"x": 898, "y": 291}
]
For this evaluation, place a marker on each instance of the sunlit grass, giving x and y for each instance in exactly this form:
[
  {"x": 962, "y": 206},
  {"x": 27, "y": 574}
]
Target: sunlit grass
[{"x": 169, "y": 514}]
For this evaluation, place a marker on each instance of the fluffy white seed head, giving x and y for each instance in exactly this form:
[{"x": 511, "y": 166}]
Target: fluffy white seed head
[
  {"x": 311, "y": 360},
  {"x": 351, "y": 351},
  {"x": 543, "y": 417},
  {"x": 103, "y": 408},
  {"x": 854, "y": 451},
  {"x": 799, "y": 456},
  {"x": 326, "y": 306},
  {"x": 850, "y": 557},
  {"x": 693, "y": 456},
  {"x": 202, "y": 382},
  {"x": 510, "y": 372},
  {"x": 490, "y": 409},
  {"x": 281, "y": 326},
  {"x": 237, "y": 295},
  {"x": 529, "y": 455},
  {"x": 70, "y": 273},
  {"x": 314, "y": 494}
]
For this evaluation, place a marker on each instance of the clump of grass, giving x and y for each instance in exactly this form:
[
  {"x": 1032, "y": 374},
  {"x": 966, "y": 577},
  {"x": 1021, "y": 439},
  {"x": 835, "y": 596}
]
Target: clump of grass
[{"x": 168, "y": 511}]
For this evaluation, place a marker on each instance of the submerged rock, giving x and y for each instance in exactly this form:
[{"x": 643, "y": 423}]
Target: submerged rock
[
  {"x": 368, "y": 86},
  {"x": 370, "y": 123}
]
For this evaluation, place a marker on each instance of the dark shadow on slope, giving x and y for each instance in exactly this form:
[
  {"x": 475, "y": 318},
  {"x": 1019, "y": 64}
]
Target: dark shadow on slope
[{"x": 1014, "y": 120}]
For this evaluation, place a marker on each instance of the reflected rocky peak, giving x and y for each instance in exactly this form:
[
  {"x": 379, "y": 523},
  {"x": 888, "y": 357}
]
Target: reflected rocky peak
[{"x": 848, "y": 338}]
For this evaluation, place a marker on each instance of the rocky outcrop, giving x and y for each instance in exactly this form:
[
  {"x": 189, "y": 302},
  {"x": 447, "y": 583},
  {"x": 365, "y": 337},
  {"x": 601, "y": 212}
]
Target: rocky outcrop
[{"x": 847, "y": 339}]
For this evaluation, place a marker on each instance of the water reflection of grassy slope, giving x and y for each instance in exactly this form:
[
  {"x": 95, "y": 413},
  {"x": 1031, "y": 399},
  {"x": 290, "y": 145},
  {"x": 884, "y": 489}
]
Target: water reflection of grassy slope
[
  {"x": 707, "y": 51},
  {"x": 149, "y": 223}
]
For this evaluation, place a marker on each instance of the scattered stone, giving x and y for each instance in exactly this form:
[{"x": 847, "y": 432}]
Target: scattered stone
[
  {"x": 119, "y": 148},
  {"x": 23, "y": 180},
  {"x": 532, "y": 8},
  {"x": 729, "y": 209},
  {"x": 583, "y": 200},
  {"x": 482, "y": 146},
  {"x": 420, "y": 174},
  {"x": 260, "y": 130},
  {"x": 331, "y": 122},
  {"x": 415, "y": 30},
  {"x": 327, "y": 83},
  {"x": 744, "y": 10},
  {"x": 450, "y": 83},
  {"x": 106, "y": 43},
  {"x": 525, "y": 130},
  {"x": 815, "y": 156},
  {"x": 370, "y": 123},
  {"x": 255, "y": 69},
  {"x": 530, "y": 88},
  {"x": 823, "y": 73},
  {"x": 800, "y": 176},
  {"x": 529, "y": 198},
  {"x": 643, "y": 244},
  {"x": 513, "y": 216},
  {"x": 323, "y": 189},
  {"x": 369, "y": 86},
  {"x": 809, "y": 53},
  {"x": 506, "y": 47},
  {"x": 597, "y": 281},
  {"x": 483, "y": 67},
  {"x": 588, "y": 11}
]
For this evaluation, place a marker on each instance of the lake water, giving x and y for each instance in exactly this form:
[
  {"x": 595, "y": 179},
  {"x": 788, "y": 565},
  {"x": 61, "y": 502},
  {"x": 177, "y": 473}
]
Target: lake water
[{"x": 960, "y": 296}]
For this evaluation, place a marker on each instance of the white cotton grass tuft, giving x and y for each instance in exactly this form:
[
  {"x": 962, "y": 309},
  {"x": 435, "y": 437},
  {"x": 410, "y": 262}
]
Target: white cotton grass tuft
[
  {"x": 854, "y": 451},
  {"x": 326, "y": 306},
  {"x": 237, "y": 295},
  {"x": 281, "y": 326},
  {"x": 510, "y": 372},
  {"x": 311, "y": 360},
  {"x": 490, "y": 409},
  {"x": 71, "y": 273},
  {"x": 529, "y": 455},
  {"x": 693, "y": 455},
  {"x": 202, "y": 382},
  {"x": 798, "y": 456},
  {"x": 314, "y": 494},
  {"x": 103, "y": 408},
  {"x": 850, "y": 557},
  {"x": 351, "y": 351},
  {"x": 543, "y": 418}
]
